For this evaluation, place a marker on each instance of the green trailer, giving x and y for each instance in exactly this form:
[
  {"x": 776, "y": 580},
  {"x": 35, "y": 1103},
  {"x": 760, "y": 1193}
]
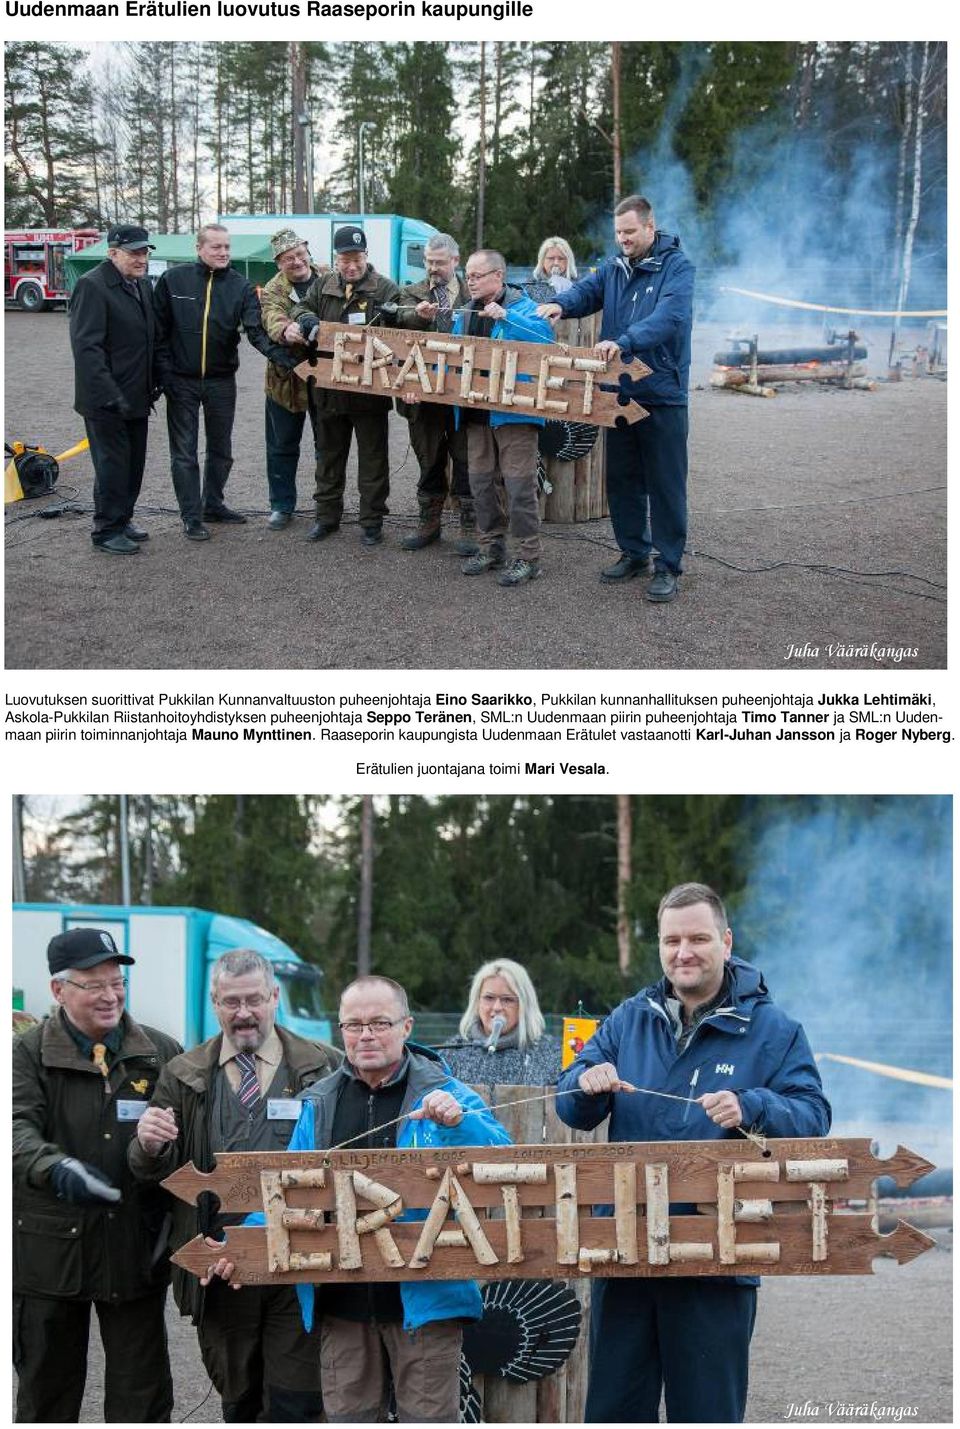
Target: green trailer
[{"x": 249, "y": 253}]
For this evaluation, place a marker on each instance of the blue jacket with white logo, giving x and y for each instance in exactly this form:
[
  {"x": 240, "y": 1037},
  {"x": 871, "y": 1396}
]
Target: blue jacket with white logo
[
  {"x": 746, "y": 1045},
  {"x": 648, "y": 311},
  {"x": 521, "y": 324},
  {"x": 423, "y": 1300}
]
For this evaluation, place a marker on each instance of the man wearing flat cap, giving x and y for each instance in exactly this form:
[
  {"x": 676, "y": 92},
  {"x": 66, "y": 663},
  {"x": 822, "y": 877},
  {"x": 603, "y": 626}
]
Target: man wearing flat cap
[
  {"x": 287, "y": 401},
  {"x": 353, "y": 293},
  {"x": 85, "y": 1232},
  {"x": 112, "y": 337}
]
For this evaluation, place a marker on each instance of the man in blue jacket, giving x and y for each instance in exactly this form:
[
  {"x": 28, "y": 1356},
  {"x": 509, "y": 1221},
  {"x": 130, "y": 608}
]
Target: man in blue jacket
[
  {"x": 501, "y": 446},
  {"x": 646, "y": 293},
  {"x": 709, "y": 1036},
  {"x": 372, "y": 1332}
]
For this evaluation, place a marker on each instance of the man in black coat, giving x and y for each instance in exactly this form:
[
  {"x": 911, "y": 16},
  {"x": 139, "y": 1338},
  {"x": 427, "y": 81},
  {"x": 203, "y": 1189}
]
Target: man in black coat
[
  {"x": 200, "y": 308},
  {"x": 112, "y": 336}
]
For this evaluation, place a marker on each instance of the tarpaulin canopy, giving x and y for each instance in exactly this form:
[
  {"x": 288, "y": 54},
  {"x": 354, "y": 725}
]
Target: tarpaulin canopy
[{"x": 249, "y": 253}]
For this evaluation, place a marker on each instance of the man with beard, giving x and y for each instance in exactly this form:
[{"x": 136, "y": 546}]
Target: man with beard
[
  {"x": 237, "y": 1092},
  {"x": 707, "y": 1033}
]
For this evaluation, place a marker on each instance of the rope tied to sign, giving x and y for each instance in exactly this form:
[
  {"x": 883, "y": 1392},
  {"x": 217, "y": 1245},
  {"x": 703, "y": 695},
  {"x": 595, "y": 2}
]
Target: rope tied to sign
[{"x": 754, "y": 1136}]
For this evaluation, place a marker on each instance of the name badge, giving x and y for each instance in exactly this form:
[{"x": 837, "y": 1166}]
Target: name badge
[
  {"x": 130, "y": 1110},
  {"x": 356, "y": 318},
  {"x": 283, "y": 1109}
]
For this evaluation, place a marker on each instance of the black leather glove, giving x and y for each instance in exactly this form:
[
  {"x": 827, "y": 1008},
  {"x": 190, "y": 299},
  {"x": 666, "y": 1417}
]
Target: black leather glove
[
  {"x": 81, "y": 1185},
  {"x": 309, "y": 325}
]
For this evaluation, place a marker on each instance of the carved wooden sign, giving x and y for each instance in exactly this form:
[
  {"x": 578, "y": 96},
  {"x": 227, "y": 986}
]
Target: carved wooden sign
[
  {"x": 547, "y": 380},
  {"x": 531, "y": 1211}
]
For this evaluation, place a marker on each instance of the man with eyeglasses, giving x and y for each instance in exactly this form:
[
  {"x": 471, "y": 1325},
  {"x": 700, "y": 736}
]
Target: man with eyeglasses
[
  {"x": 501, "y": 446},
  {"x": 237, "y": 1092},
  {"x": 85, "y": 1233},
  {"x": 372, "y": 1333}
]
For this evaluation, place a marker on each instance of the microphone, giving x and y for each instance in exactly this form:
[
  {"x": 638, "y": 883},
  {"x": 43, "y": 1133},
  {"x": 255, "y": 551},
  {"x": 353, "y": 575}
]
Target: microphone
[{"x": 496, "y": 1027}]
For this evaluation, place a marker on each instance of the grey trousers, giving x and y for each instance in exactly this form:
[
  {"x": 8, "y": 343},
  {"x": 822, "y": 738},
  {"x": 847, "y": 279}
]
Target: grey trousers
[{"x": 502, "y": 463}]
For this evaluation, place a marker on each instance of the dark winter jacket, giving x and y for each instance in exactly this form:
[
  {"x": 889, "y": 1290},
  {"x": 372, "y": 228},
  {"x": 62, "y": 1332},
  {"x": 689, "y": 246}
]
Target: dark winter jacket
[
  {"x": 63, "y": 1106},
  {"x": 648, "y": 311},
  {"x": 327, "y": 300},
  {"x": 426, "y": 1300},
  {"x": 199, "y": 313},
  {"x": 746, "y": 1045},
  {"x": 112, "y": 334},
  {"x": 535, "y": 1066},
  {"x": 185, "y": 1088}
]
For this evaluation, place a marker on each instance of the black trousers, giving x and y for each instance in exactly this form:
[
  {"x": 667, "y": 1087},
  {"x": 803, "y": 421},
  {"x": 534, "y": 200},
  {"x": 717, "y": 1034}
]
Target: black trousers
[
  {"x": 373, "y": 465},
  {"x": 264, "y": 1364},
  {"x": 683, "y": 1337},
  {"x": 216, "y": 397},
  {"x": 50, "y": 1339},
  {"x": 119, "y": 451},
  {"x": 435, "y": 439}
]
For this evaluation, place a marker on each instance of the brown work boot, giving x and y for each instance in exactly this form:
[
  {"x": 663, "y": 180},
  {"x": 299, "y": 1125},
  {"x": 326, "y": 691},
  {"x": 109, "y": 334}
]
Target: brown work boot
[
  {"x": 467, "y": 544},
  {"x": 428, "y": 529}
]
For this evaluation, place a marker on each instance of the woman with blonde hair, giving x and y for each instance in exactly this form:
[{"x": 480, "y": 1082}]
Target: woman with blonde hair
[
  {"x": 555, "y": 260},
  {"x": 502, "y": 1036}
]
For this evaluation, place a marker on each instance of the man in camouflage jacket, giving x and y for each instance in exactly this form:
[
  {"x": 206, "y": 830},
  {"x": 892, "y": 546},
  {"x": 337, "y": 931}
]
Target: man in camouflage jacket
[{"x": 287, "y": 402}]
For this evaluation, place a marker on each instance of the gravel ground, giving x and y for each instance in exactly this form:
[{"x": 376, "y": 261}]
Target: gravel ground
[
  {"x": 813, "y": 477},
  {"x": 835, "y": 1342}
]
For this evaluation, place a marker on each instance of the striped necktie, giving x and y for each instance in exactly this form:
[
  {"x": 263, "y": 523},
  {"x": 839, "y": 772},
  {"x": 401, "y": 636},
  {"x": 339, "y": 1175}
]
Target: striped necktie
[{"x": 249, "y": 1092}]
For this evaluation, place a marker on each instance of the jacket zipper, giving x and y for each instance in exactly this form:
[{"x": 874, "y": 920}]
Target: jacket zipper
[
  {"x": 693, "y": 1082},
  {"x": 203, "y": 336}
]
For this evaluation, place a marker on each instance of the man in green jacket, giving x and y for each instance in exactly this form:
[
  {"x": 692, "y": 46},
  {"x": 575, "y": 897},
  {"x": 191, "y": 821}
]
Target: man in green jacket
[
  {"x": 354, "y": 293},
  {"x": 236, "y": 1092},
  {"x": 287, "y": 400},
  {"x": 85, "y": 1233}
]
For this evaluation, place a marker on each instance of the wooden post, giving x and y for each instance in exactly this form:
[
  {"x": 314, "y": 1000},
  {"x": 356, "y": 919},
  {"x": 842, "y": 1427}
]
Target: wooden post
[
  {"x": 275, "y": 1205},
  {"x": 818, "y": 1207},
  {"x": 568, "y": 1221},
  {"x": 349, "y": 1256},
  {"x": 658, "y": 1214},
  {"x": 625, "y": 1210}
]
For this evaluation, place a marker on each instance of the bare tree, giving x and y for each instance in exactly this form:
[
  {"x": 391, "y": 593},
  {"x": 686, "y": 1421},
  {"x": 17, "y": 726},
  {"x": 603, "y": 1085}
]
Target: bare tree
[
  {"x": 365, "y": 901},
  {"x": 906, "y": 261},
  {"x": 624, "y": 846}
]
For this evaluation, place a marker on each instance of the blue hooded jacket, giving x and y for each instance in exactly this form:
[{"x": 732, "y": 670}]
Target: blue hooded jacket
[
  {"x": 648, "y": 312},
  {"x": 746, "y": 1045},
  {"x": 423, "y": 1300},
  {"x": 521, "y": 324}
]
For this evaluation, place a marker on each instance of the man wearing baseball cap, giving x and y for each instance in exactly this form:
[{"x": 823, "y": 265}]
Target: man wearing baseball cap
[
  {"x": 85, "y": 1232},
  {"x": 112, "y": 333},
  {"x": 353, "y": 293},
  {"x": 287, "y": 401}
]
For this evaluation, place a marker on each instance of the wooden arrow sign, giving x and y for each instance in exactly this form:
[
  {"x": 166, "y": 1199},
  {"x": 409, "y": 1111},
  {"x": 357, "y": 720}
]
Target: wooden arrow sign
[
  {"x": 547, "y": 380},
  {"x": 459, "y": 1213}
]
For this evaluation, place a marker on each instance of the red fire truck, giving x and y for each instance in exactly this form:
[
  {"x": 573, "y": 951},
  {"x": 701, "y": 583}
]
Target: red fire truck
[{"x": 33, "y": 271}]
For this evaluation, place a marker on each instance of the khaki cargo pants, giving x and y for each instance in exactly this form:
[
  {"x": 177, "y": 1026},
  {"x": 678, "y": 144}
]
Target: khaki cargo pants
[
  {"x": 502, "y": 463},
  {"x": 355, "y": 1358}
]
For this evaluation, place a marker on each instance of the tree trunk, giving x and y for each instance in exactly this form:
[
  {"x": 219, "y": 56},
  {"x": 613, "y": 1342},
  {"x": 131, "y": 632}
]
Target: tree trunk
[
  {"x": 298, "y": 78},
  {"x": 174, "y": 158},
  {"x": 365, "y": 902},
  {"x": 481, "y": 146},
  {"x": 615, "y": 51},
  {"x": 624, "y": 841},
  {"x": 148, "y": 861},
  {"x": 907, "y": 263},
  {"x": 906, "y": 124},
  {"x": 808, "y": 70}
]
